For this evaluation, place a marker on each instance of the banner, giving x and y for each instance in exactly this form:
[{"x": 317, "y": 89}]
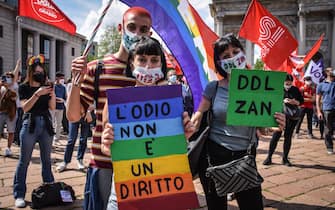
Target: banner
[
  {"x": 47, "y": 12},
  {"x": 254, "y": 97},
  {"x": 314, "y": 70},
  {"x": 150, "y": 162},
  {"x": 262, "y": 28}
]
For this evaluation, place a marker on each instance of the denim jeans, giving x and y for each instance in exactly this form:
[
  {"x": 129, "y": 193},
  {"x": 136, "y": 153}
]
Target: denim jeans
[
  {"x": 97, "y": 188},
  {"x": 28, "y": 141},
  {"x": 72, "y": 137}
]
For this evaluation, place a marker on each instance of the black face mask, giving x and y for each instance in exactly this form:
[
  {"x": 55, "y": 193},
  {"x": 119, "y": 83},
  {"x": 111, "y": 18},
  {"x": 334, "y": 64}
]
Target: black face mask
[{"x": 39, "y": 77}]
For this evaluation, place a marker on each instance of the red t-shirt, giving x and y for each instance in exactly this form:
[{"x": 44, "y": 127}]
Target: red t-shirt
[{"x": 308, "y": 92}]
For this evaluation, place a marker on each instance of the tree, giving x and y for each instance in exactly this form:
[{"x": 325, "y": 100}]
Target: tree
[
  {"x": 259, "y": 64},
  {"x": 109, "y": 41}
]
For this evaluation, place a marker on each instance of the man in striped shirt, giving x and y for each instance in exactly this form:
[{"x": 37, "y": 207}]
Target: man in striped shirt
[{"x": 136, "y": 23}]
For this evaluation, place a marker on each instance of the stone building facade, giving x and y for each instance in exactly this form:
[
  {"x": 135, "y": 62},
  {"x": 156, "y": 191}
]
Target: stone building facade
[
  {"x": 305, "y": 19},
  {"x": 22, "y": 37}
]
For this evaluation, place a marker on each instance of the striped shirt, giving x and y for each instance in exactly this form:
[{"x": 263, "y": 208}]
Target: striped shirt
[{"x": 112, "y": 76}]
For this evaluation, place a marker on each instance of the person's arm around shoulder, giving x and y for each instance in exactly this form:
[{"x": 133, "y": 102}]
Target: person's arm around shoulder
[{"x": 73, "y": 105}]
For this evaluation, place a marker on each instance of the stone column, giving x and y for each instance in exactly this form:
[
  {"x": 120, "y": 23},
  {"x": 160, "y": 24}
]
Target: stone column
[
  {"x": 302, "y": 30},
  {"x": 52, "y": 64},
  {"x": 249, "y": 52},
  {"x": 332, "y": 61},
  {"x": 36, "y": 43},
  {"x": 66, "y": 60},
  {"x": 219, "y": 26}
]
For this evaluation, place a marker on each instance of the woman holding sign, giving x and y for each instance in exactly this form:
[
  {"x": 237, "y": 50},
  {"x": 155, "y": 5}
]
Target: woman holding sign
[
  {"x": 227, "y": 143},
  {"x": 147, "y": 64}
]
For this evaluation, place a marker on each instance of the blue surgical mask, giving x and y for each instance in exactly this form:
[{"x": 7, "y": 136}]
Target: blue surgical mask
[
  {"x": 129, "y": 40},
  {"x": 9, "y": 80},
  {"x": 238, "y": 62},
  {"x": 173, "y": 79}
]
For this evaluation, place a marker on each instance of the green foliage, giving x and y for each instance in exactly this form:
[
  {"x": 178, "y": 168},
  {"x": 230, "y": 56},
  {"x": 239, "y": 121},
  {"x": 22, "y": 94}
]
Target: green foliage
[
  {"x": 91, "y": 57},
  {"x": 259, "y": 64},
  {"x": 110, "y": 41}
]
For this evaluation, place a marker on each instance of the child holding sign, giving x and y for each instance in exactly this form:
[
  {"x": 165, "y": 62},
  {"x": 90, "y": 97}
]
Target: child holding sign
[
  {"x": 227, "y": 143},
  {"x": 148, "y": 65}
]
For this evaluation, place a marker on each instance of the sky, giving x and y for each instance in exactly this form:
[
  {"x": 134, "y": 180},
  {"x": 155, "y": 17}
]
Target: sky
[{"x": 85, "y": 13}]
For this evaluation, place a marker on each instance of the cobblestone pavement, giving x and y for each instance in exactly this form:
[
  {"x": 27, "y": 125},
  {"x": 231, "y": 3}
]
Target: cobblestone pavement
[{"x": 308, "y": 185}]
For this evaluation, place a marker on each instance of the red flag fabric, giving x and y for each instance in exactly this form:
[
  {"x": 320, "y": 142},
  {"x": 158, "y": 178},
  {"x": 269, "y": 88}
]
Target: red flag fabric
[
  {"x": 314, "y": 49},
  {"x": 47, "y": 12},
  {"x": 262, "y": 28}
]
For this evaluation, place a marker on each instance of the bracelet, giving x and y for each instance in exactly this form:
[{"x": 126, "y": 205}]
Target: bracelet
[{"x": 35, "y": 94}]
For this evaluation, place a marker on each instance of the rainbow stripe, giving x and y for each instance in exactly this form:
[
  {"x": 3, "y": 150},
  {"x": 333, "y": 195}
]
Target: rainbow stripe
[
  {"x": 149, "y": 153},
  {"x": 189, "y": 39}
]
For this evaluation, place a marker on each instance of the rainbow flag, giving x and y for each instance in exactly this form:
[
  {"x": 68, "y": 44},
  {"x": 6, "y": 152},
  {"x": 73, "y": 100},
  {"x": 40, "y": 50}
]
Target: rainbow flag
[
  {"x": 150, "y": 162},
  {"x": 188, "y": 38}
]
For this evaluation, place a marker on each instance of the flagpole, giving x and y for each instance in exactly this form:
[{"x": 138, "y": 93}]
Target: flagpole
[{"x": 90, "y": 41}]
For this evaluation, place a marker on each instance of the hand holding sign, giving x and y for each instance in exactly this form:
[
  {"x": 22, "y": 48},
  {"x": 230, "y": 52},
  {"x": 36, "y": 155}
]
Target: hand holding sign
[{"x": 254, "y": 97}]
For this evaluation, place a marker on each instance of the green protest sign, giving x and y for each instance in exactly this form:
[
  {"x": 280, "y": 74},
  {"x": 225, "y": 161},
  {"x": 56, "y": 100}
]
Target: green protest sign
[{"x": 254, "y": 97}]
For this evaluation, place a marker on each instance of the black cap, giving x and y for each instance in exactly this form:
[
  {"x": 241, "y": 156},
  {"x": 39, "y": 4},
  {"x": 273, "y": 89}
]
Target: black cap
[{"x": 60, "y": 74}]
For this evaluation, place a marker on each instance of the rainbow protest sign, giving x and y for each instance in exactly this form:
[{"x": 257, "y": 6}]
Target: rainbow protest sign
[{"x": 151, "y": 167}]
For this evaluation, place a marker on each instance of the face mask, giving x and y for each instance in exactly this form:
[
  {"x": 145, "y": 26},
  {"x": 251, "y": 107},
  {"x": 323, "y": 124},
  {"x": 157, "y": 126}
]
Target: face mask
[
  {"x": 238, "y": 62},
  {"x": 9, "y": 80},
  {"x": 148, "y": 76},
  {"x": 173, "y": 79},
  {"x": 39, "y": 77},
  {"x": 62, "y": 81},
  {"x": 308, "y": 82},
  {"x": 287, "y": 87},
  {"x": 129, "y": 40}
]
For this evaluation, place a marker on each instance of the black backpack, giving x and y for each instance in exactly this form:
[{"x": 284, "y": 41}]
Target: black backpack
[{"x": 55, "y": 194}]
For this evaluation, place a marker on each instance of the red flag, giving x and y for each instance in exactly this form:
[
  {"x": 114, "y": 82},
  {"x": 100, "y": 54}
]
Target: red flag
[
  {"x": 314, "y": 49},
  {"x": 47, "y": 12},
  {"x": 262, "y": 28}
]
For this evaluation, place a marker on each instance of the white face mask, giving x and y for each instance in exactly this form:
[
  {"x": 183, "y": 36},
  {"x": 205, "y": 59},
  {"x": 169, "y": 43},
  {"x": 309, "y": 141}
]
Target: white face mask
[
  {"x": 287, "y": 87},
  {"x": 148, "y": 76},
  {"x": 129, "y": 40},
  {"x": 238, "y": 62},
  {"x": 62, "y": 81}
]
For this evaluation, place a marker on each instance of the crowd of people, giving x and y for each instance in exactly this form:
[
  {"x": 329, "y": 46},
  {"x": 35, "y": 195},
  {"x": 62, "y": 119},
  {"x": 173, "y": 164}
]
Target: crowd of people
[{"x": 36, "y": 111}]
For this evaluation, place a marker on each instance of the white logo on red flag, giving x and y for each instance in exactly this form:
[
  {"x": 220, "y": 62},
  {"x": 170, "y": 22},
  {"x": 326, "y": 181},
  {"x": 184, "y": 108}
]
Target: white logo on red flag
[
  {"x": 267, "y": 39},
  {"x": 46, "y": 11}
]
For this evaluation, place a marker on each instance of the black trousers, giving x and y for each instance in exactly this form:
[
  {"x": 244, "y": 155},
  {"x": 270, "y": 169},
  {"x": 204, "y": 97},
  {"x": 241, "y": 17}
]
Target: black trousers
[
  {"x": 309, "y": 113},
  {"x": 289, "y": 128},
  {"x": 248, "y": 199},
  {"x": 329, "y": 118}
]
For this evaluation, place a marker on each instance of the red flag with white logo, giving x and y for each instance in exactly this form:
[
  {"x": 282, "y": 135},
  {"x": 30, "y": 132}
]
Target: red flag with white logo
[
  {"x": 47, "y": 12},
  {"x": 262, "y": 28}
]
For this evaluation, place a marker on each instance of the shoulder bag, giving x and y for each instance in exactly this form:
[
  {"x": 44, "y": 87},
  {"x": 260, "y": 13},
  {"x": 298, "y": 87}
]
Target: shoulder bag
[
  {"x": 236, "y": 176},
  {"x": 195, "y": 147}
]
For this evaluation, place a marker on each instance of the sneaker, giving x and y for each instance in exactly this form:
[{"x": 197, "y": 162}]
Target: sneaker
[
  {"x": 286, "y": 162},
  {"x": 321, "y": 137},
  {"x": 20, "y": 203},
  {"x": 230, "y": 196},
  {"x": 8, "y": 152},
  {"x": 61, "y": 167},
  {"x": 330, "y": 151},
  {"x": 310, "y": 136},
  {"x": 81, "y": 165}
]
